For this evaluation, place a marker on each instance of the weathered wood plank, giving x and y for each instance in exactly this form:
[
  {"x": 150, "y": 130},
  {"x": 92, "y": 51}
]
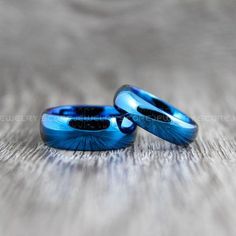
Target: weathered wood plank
[{"x": 55, "y": 52}]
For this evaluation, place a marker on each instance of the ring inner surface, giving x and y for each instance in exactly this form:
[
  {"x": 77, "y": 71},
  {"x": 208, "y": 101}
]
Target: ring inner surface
[
  {"x": 84, "y": 111},
  {"x": 89, "y": 118},
  {"x": 160, "y": 105}
]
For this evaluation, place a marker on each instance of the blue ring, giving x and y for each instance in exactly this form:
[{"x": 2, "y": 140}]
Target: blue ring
[
  {"x": 86, "y": 128},
  {"x": 155, "y": 115}
]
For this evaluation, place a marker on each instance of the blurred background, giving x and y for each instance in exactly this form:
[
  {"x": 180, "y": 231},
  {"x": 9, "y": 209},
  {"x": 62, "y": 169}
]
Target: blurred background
[
  {"x": 56, "y": 52},
  {"x": 64, "y": 49}
]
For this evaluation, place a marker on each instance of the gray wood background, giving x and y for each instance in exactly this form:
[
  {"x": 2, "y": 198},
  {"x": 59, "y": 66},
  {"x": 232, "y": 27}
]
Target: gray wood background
[{"x": 80, "y": 51}]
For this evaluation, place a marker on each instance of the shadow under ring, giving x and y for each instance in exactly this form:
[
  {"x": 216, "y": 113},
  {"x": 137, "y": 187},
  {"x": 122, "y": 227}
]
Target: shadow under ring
[
  {"x": 155, "y": 115},
  {"x": 86, "y": 128}
]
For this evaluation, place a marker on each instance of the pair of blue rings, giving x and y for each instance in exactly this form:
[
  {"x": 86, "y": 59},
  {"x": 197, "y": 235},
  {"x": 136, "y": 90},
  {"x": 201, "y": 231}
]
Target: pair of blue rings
[{"x": 100, "y": 128}]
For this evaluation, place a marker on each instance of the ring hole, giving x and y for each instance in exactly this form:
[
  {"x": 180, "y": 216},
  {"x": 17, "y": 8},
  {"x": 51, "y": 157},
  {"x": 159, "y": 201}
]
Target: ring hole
[
  {"x": 161, "y": 105},
  {"x": 154, "y": 114},
  {"x": 89, "y": 111},
  {"x": 89, "y": 124},
  {"x": 82, "y": 111}
]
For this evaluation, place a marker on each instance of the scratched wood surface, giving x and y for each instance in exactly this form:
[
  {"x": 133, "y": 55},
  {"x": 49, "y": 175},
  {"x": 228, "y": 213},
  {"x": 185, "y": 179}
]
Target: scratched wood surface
[{"x": 56, "y": 52}]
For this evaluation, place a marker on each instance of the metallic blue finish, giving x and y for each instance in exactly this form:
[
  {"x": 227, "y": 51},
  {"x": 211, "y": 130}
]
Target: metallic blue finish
[
  {"x": 155, "y": 115},
  {"x": 86, "y": 128}
]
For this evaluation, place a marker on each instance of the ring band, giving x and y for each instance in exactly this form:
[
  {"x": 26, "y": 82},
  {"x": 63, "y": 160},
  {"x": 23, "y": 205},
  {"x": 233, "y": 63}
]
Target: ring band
[
  {"x": 155, "y": 115},
  {"x": 86, "y": 128}
]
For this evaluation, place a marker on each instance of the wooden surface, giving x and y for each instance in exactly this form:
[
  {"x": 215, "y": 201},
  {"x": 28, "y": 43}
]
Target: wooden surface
[{"x": 72, "y": 51}]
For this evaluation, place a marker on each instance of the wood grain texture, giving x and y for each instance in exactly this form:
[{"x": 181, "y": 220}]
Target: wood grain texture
[{"x": 73, "y": 51}]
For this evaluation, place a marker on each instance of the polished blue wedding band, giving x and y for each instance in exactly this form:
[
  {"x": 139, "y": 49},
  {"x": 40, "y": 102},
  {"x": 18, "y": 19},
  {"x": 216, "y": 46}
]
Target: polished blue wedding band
[
  {"x": 155, "y": 115},
  {"x": 86, "y": 128}
]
